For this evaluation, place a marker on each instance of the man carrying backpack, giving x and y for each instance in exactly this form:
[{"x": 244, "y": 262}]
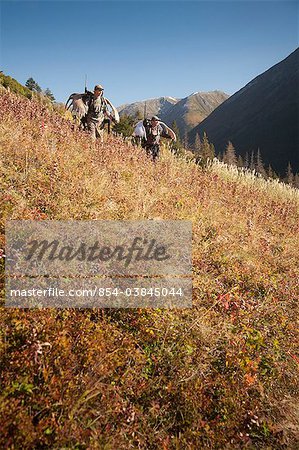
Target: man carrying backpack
[
  {"x": 93, "y": 111},
  {"x": 154, "y": 130},
  {"x": 96, "y": 113}
]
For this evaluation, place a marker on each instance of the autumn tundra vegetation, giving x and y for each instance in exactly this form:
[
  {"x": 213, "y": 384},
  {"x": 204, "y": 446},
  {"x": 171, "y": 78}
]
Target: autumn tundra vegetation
[{"x": 220, "y": 375}]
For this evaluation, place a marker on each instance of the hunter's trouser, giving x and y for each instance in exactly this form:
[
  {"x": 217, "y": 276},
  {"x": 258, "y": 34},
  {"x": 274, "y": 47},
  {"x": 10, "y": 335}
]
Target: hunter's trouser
[
  {"x": 153, "y": 151},
  {"x": 96, "y": 131}
]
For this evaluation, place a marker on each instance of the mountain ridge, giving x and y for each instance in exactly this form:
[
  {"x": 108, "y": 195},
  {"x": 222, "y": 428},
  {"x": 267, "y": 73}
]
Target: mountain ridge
[
  {"x": 187, "y": 112},
  {"x": 154, "y": 106},
  {"x": 263, "y": 115},
  {"x": 194, "y": 108}
]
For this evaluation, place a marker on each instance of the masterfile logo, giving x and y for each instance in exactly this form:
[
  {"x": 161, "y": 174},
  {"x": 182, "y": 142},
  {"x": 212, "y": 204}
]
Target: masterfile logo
[{"x": 45, "y": 259}]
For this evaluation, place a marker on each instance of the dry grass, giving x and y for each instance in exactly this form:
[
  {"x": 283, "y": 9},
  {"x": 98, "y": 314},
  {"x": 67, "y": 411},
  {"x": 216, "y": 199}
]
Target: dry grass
[{"x": 221, "y": 375}]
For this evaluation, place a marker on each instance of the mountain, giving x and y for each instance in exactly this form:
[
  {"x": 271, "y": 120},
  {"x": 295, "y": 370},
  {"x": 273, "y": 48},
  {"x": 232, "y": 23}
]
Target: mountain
[
  {"x": 262, "y": 115},
  {"x": 187, "y": 112},
  {"x": 191, "y": 110},
  {"x": 154, "y": 106}
]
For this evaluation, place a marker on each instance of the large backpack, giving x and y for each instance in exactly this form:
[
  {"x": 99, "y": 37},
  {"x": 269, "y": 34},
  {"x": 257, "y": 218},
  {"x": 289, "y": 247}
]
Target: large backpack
[{"x": 152, "y": 136}]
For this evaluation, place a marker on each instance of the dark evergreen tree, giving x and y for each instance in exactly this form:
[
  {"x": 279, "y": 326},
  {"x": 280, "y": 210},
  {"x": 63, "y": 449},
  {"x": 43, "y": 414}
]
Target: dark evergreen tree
[
  {"x": 240, "y": 162},
  {"x": 259, "y": 166},
  {"x": 207, "y": 150},
  {"x": 197, "y": 143},
  {"x": 252, "y": 161},
  {"x": 125, "y": 126},
  {"x": 229, "y": 156},
  {"x": 197, "y": 149},
  {"x": 175, "y": 128},
  {"x": 220, "y": 156},
  {"x": 212, "y": 151},
  {"x": 270, "y": 173},
  {"x": 32, "y": 85},
  {"x": 176, "y": 146},
  {"x": 186, "y": 140},
  {"x": 246, "y": 160},
  {"x": 49, "y": 94},
  {"x": 289, "y": 178}
]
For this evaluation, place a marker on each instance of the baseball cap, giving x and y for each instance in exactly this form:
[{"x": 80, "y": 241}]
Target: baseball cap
[{"x": 98, "y": 87}]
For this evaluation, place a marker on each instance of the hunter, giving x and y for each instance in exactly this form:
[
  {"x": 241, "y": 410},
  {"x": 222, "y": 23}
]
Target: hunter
[
  {"x": 154, "y": 130},
  {"x": 96, "y": 113}
]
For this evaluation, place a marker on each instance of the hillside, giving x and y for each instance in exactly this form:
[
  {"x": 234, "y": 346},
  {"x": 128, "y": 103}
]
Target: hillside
[
  {"x": 13, "y": 85},
  {"x": 223, "y": 374},
  {"x": 263, "y": 115}
]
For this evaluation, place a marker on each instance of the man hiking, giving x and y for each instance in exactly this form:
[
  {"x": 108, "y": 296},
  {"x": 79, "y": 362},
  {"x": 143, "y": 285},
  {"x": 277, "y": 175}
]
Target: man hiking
[
  {"x": 151, "y": 131},
  {"x": 96, "y": 113},
  {"x": 93, "y": 111}
]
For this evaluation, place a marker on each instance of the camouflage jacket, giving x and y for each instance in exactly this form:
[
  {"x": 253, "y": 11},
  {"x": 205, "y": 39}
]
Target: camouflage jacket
[{"x": 96, "y": 109}]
